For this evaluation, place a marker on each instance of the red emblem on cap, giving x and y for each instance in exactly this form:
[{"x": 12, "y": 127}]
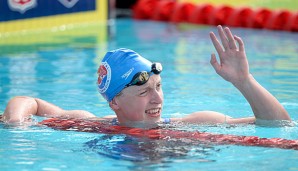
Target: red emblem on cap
[{"x": 102, "y": 72}]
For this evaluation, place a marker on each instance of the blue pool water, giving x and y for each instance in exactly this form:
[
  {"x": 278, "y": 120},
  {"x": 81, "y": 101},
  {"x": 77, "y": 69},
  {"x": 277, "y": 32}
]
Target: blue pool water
[{"x": 66, "y": 76}]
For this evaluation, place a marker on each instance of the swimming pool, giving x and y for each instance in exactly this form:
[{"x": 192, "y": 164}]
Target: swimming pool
[{"x": 66, "y": 76}]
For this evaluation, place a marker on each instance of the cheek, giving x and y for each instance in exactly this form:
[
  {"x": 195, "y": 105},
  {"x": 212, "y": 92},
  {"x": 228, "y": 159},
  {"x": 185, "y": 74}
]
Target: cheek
[
  {"x": 161, "y": 94},
  {"x": 133, "y": 110}
]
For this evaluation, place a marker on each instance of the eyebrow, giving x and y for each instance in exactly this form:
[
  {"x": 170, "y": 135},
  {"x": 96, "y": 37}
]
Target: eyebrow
[
  {"x": 144, "y": 88},
  {"x": 158, "y": 82}
]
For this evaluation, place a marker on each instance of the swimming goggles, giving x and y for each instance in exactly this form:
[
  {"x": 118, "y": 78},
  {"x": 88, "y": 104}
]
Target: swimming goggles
[{"x": 142, "y": 77}]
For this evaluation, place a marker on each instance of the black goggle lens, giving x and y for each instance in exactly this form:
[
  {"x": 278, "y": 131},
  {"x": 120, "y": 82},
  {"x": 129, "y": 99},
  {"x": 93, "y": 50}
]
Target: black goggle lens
[{"x": 142, "y": 77}]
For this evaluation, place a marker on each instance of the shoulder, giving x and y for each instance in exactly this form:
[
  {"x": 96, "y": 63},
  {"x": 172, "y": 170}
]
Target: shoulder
[{"x": 211, "y": 117}]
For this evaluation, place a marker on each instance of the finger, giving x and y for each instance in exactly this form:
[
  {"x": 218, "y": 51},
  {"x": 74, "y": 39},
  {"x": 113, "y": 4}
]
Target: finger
[
  {"x": 240, "y": 43},
  {"x": 216, "y": 43},
  {"x": 231, "y": 39},
  {"x": 214, "y": 63},
  {"x": 223, "y": 38}
]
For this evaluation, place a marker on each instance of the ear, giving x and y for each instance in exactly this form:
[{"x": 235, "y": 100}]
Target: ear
[{"x": 114, "y": 104}]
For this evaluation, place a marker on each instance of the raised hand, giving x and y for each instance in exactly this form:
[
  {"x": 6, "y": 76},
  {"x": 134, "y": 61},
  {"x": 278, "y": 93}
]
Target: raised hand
[
  {"x": 233, "y": 64},
  {"x": 233, "y": 67}
]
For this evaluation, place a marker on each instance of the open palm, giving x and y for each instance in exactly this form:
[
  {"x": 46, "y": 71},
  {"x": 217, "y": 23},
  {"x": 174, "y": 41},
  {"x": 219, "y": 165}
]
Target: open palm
[{"x": 233, "y": 64}]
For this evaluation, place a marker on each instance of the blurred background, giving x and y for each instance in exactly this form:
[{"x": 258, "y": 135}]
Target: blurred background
[{"x": 31, "y": 24}]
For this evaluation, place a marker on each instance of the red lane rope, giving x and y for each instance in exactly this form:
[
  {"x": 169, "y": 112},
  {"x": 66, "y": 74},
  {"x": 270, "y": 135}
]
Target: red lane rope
[
  {"x": 261, "y": 18},
  {"x": 164, "y": 10},
  {"x": 293, "y": 24},
  {"x": 182, "y": 12},
  {"x": 241, "y": 17},
  {"x": 280, "y": 20},
  {"x": 175, "y": 11},
  {"x": 201, "y": 14},
  {"x": 160, "y": 133},
  {"x": 221, "y": 15},
  {"x": 144, "y": 9}
]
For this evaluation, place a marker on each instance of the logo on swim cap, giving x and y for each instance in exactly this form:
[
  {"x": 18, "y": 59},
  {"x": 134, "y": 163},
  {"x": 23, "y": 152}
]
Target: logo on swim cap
[{"x": 104, "y": 77}]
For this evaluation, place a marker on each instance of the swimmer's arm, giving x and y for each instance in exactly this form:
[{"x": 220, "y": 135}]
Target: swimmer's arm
[
  {"x": 21, "y": 108},
  {"x": 263, "y": 104},
  {"x": 233, "y": 67},
  {"x": 211, "y": 117},
  {"x": 109, "y": 117}
]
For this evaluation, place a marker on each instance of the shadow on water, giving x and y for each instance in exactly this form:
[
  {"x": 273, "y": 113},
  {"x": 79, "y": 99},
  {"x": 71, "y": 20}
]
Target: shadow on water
[{"x": 150, "y": 153}]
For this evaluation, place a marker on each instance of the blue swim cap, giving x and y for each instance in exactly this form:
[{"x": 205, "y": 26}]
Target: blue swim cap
[{"x": 117, "y": 69}]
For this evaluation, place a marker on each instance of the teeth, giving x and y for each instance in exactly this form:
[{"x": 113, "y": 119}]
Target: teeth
[{"x": 153, "y": 111}]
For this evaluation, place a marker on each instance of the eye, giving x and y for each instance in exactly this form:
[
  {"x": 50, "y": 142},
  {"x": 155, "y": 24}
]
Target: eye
[
  {"x": 158, "y": 86},
  {"x": 143, "y": 93}
]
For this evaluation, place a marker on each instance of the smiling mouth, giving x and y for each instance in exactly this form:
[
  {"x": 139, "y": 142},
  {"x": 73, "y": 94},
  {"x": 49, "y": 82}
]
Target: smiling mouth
[{"x": 153, "y": 112}]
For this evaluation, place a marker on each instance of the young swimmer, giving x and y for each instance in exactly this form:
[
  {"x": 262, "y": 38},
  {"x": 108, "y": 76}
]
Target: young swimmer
[{"x": 132, "y": 86}]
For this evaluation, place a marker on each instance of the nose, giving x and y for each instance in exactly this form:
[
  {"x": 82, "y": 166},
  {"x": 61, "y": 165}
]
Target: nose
[{"x": 157, "y": 97}]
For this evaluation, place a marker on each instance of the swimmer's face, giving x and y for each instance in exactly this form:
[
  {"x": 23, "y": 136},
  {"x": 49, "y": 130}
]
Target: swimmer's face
[{"x": 137, "y": 105}]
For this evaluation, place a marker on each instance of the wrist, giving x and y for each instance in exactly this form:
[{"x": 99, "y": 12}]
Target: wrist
[{"x": 244, "y": 82}]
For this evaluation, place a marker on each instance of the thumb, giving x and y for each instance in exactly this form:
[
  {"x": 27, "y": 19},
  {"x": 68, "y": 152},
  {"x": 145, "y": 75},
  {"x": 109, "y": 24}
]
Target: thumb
[{"x": 214, "y": 63}]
